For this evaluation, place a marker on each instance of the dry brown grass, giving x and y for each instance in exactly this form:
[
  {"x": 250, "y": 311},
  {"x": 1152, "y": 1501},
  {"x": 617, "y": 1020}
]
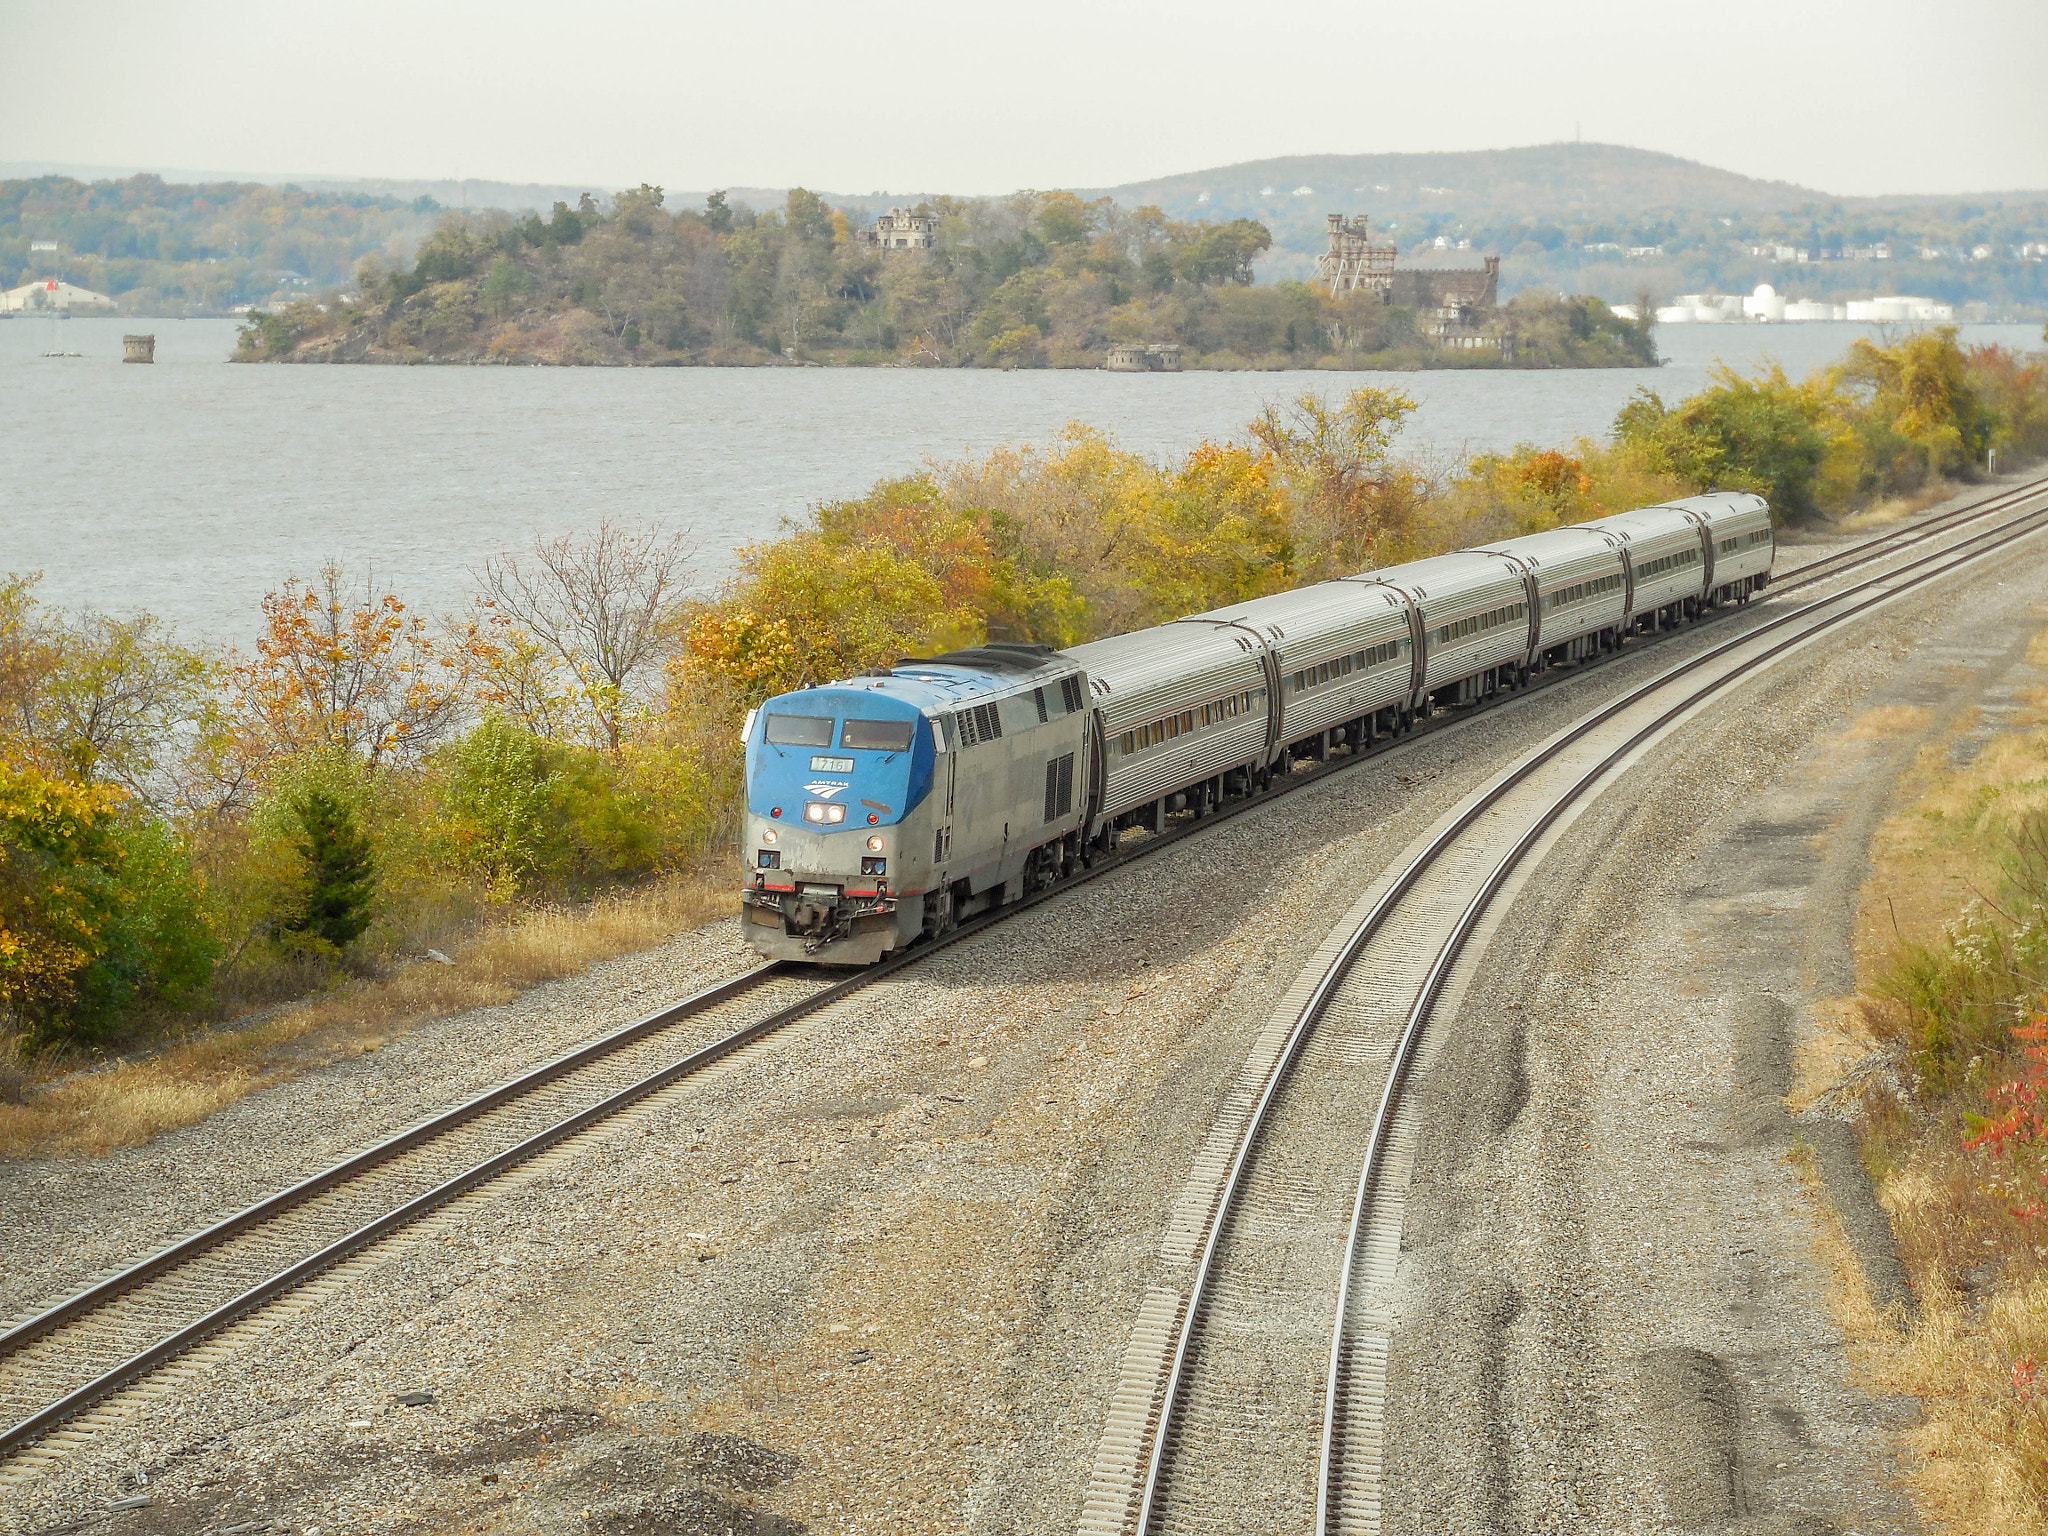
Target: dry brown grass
[
  {"x": 91, "y": 1113},
  {"x": 1882, "y": 514},
  {"x": 1933, "y": 856},
  {"x": 1974, "y": 1243},
  {"x": 1976, "y": 1459}
]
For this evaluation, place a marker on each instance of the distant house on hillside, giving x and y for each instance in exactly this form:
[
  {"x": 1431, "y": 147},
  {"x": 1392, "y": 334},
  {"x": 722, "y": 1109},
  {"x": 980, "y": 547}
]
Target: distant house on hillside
[
  {"x": 51, "y": 293},
  {"x": 901, "y": 230}
]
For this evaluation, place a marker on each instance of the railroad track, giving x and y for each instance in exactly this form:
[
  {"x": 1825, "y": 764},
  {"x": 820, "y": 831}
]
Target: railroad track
[
  {"x": 1226, "y": 1377},
  {"x": 1906, "y": 537},
  {"x": 64, "y": 1360}
]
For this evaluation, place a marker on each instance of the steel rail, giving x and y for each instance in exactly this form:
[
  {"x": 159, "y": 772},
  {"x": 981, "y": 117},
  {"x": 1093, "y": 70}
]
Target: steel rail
[
  {"x": 1907, "y": 535},
  {"x": 109, "y": 1289},
  {"x": 185, "y": 1249},
  {"x": 1475, "y": 911},
  {"x": 1342, "y": 963}
]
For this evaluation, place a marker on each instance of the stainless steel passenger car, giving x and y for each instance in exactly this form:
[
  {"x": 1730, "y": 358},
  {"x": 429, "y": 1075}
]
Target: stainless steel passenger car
[
  {"x": 1578, "y": 587},
  {"x": 1175, "y": 707},
  {"x": 1340, "y": 653},
  {"x": 1473, "y": 616},
  {"x": 1740, "y": 541}
]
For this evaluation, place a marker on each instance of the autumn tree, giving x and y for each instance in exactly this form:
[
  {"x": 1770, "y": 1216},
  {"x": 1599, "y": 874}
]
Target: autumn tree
[
  {"x": 1761, "y": 433},
  {"x": 94, "y": 696},
  {"x": 342, "y": 665},
  {"x": 570, "y": 637},
  {"x": 98, "y": 912},
  {"x": 1920, "y": 389},
  {"x": 807, "y": 609},
  {"x": 1349, "y": 499}
]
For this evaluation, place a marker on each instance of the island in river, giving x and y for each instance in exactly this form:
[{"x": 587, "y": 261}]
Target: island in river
[{"x": 1041, "y": 279}]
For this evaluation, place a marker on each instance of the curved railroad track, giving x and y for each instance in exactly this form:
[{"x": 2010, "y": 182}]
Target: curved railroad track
[
  {"x": 62, "y": 1361},
  {"x": 1208, "y": 1385}
]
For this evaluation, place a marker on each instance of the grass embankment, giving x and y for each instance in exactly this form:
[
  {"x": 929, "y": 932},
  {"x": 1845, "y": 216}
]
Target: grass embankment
[
  {"x": 1951, "y": 958},
  {"x": 181, "y": 1082}
]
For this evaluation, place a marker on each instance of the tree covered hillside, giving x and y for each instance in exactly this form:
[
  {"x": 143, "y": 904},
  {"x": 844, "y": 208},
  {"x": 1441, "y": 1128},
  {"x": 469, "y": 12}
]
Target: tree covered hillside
[
  {"x": 1608, "y": 219},
  {"x": 1034, "y": 280},
  {"x": 164, "y": 249}
]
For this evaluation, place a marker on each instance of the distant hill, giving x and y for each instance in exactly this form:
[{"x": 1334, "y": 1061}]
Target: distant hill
[
  {"x": 1541, "y": 181},
  {"x": 445, "y": 191},
  {"x": 1600, "y": 219},
  {"x": 1566, "y": 216}
]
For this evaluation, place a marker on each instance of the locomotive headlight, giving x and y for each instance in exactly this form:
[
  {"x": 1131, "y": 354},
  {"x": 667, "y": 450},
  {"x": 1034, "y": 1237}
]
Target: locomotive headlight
[
  {"x": 820, "y": 811},
  {"x": 770, "y": 835},
  {"x": 874, "y": 845}
]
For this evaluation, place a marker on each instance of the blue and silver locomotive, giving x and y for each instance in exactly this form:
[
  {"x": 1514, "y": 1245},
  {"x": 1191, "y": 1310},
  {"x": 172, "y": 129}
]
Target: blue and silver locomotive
[{"x": 886, "y": 808}]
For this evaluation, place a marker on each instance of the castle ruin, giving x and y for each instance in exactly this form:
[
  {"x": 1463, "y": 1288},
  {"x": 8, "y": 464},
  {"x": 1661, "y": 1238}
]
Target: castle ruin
[
  {"x": 1353, "y": 261},
  {"x": 1454, "y": 305},
  {"x": 902, "y": 230}
]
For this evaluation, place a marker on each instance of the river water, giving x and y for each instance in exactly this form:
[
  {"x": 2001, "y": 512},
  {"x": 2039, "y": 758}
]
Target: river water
[{"x": 190, "y": 488}]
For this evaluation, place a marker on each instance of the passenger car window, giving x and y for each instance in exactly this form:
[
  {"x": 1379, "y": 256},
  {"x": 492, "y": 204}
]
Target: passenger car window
[
  {"x": 876, "y": 735},
  {"x": 800, "y": 730}
]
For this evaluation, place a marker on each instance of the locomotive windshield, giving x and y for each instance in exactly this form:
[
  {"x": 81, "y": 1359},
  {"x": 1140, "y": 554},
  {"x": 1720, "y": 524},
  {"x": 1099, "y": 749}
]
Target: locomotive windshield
[
  {"x": 877, "y": 735},
  {"x": 800, "y": 730}
]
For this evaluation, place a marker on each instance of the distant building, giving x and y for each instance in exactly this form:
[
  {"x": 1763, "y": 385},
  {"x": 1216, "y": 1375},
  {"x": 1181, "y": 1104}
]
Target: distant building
[
  {"x": 902, "y": 230},
  {"x": 1472, "y": 289},
  {"x": 1353, "y": 261},
  {"x": 1766, "y": 304},
  {"x": 1700, "y": 308},
  {"x": 51, "y": 293},
  {"x": 1144, "y": 357},
  {"x": 1456, "y": 305},
  {"x": 1896, "y": 307}
]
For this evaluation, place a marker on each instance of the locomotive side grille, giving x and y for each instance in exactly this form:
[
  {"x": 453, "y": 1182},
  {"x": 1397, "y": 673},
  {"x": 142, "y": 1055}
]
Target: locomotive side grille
[
  {"x": 984, "y": 722},
  {"x": 1059, "y": 786},
  {"x": 1070, "y": 693}
]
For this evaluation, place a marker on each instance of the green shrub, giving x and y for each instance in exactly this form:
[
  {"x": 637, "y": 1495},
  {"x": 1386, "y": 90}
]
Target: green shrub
[
  {"x": 495, "y": 807},
  {"x": 100, "y": 915},
  {"x": 341, "y": 875}
]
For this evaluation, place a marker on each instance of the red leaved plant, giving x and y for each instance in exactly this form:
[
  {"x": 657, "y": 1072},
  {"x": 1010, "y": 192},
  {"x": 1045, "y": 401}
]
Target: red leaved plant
[{"x": 2020, "y": 1116}]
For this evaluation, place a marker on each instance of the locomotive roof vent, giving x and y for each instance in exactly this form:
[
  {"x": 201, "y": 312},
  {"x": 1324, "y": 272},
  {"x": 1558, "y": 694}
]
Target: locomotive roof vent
[{"x": 996, "y": 656}]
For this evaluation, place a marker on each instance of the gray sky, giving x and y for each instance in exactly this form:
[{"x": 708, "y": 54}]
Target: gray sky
[{"x": 917, "y": 95}]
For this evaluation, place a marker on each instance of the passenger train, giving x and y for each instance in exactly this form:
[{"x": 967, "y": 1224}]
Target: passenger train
[{"x": 888, "y": 807}]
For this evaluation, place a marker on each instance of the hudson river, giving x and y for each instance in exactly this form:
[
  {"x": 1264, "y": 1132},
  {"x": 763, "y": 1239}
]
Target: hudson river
[{"x": 191, "y": 487}]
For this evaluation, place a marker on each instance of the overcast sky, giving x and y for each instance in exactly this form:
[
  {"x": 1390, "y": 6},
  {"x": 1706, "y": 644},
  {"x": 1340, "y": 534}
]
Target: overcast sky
[{"x": 916, "y": 95}]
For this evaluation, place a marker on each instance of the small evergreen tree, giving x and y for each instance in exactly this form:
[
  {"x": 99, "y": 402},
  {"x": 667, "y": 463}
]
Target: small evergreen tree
[{"x": 341, "y": 876}]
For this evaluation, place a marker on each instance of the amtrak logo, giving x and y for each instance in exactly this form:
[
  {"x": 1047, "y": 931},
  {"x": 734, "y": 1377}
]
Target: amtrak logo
[{"x": 826, "y": 791}]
